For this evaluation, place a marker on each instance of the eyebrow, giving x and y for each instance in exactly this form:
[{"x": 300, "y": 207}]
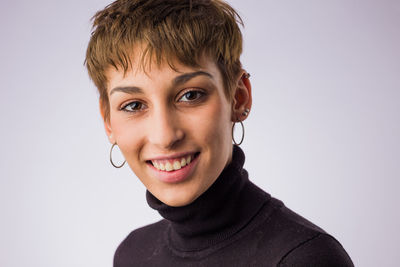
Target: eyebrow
[
  {"x": 177, "y": 81},
  {"x": 188, "y": 76},
  {"x": 127, "y": 89}
]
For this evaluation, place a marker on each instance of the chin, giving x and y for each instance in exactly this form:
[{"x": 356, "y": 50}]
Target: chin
[
  {"x": 174, "y": 202},
  {"x": 177, "y": 197}
]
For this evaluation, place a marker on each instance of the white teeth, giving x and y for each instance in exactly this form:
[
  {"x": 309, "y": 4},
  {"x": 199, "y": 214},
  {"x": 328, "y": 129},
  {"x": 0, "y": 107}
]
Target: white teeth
[
  {"x": 183, "y": 162},
  {"x": 177, "y": 165},
  {"x": 171, "y": 166},
  {"x": 155, "y": 164},
  {"x": 162, "y": 167},
  {"x": 168, "y": 167}
]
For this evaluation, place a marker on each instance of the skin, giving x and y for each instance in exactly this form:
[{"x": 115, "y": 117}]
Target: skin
[{"x": 174, "y": 112}]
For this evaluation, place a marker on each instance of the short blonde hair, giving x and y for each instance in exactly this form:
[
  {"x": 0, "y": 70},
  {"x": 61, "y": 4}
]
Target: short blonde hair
[{"x": 182, "y": 30}]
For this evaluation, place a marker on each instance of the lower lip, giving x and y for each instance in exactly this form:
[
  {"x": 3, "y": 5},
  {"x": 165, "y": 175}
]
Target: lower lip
[{"x": 175, "y": 176}]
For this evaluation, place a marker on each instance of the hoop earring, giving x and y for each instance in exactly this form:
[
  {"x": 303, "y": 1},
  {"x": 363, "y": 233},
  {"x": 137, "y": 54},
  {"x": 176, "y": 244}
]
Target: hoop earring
[
  {"x": 112, "y": 163},
  {"x": 233, "y": 137}
]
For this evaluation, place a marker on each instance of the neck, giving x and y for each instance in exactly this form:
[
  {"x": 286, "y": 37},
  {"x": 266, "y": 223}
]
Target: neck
[{"x": 220, "y": 212}]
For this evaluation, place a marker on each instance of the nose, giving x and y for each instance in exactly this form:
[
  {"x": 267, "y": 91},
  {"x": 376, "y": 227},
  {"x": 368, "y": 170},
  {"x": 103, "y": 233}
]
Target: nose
[{"x": 165, "y": 129}]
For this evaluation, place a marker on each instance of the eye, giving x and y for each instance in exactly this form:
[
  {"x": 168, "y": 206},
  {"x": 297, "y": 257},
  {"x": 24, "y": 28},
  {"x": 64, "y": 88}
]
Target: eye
[
  {"x": 133, "y": 106},
  {"x": 191, "y": 96}
]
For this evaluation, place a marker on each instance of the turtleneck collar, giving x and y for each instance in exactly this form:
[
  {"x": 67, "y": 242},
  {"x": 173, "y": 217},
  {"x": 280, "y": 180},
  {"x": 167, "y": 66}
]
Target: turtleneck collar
[{"x": 220, "y": 212}]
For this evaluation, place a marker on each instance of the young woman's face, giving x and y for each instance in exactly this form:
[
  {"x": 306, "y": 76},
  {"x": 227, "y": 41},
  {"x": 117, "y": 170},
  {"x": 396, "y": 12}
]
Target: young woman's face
[{"x": 173, "y": 128}]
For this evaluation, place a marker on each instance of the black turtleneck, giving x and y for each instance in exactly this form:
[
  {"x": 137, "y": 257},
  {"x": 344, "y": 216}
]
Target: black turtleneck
[{"x": 233, "y": 223}]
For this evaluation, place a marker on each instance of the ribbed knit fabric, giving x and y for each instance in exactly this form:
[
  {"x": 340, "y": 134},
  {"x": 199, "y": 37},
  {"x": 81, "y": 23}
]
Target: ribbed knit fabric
[{"x": 234, "y": 223}]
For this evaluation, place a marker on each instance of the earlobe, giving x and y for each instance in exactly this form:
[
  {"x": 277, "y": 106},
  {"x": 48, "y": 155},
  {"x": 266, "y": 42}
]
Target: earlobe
[
  {"x": 107, "y": 124},
  {"x": 109, "y": 132},
  {"x": 242, "y": 98}
]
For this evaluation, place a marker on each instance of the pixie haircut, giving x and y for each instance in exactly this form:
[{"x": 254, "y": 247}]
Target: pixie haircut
[{"x": 167, "y": 31}]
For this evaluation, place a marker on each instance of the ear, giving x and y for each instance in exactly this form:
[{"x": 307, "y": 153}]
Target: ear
[
  {"x": 242, "y": 99},
  {"x": 107, "y": 124}
]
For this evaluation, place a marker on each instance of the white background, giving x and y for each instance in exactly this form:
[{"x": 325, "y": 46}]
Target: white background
[{"x": 323, "y": 133}]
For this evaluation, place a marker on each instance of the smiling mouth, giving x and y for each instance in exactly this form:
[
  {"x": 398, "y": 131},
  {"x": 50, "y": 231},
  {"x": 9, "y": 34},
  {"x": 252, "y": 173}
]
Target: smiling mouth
[{"x": 169, "y": 165}]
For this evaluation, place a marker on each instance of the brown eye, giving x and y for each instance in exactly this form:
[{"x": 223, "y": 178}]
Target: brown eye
[
  {"x": 191, "y": 96},
  {"x": 133, "y": 106}
]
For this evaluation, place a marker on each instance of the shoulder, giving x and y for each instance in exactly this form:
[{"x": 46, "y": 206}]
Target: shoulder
[
  {"x": 321, "y": 250},
  {"x": 140, "y": 244},
  {"x": 295, "y": 241}
]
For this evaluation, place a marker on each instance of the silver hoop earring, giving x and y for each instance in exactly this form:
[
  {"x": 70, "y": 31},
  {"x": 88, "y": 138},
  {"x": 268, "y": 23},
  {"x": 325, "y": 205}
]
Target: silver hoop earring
[
  {"x": 233, "y": 137},
  {"x": 112, "y": 163}
]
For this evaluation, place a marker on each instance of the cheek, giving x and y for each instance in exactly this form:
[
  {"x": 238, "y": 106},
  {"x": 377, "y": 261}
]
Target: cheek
[
  {"x": 127, "y": 135},
  {"x": 213, "y": 124}
]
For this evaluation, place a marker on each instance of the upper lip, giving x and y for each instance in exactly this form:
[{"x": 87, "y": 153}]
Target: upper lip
[{"x": 171, "y": 156}]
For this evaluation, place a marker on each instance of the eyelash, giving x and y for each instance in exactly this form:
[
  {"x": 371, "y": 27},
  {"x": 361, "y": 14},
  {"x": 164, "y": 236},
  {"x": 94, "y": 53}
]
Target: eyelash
[
  {"x": 200, "y": 95},
  {"x": 124, "y": 108}
]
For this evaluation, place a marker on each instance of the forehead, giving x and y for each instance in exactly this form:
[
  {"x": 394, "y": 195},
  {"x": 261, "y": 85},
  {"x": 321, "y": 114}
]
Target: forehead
[{"x": 165, "y": 71}]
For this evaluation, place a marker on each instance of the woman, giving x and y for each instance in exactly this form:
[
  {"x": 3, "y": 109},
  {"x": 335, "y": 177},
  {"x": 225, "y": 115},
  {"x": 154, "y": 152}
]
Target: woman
[{"x": 171, "y": 90}]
